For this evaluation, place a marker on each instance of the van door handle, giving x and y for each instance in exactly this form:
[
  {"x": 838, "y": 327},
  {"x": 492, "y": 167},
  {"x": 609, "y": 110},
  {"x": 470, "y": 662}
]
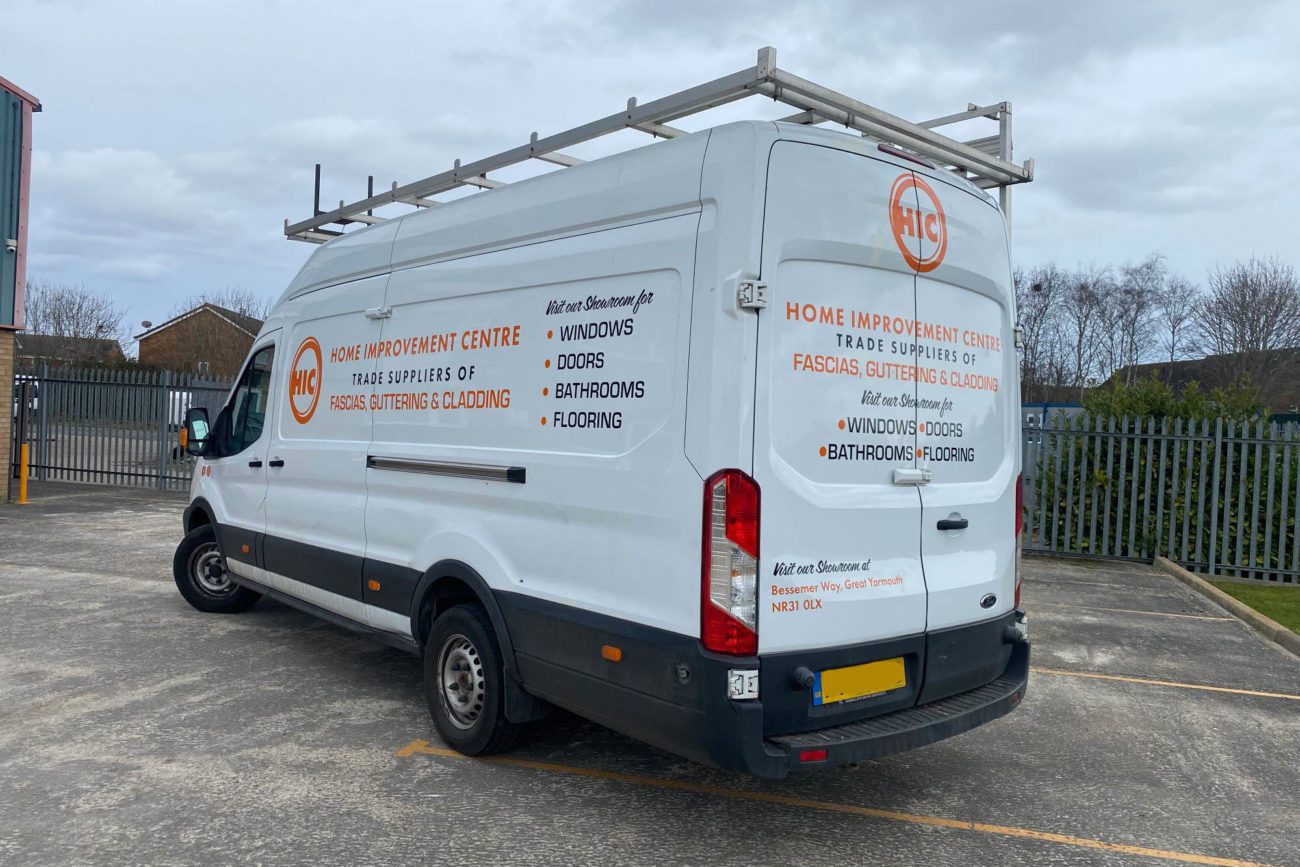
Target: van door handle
[
  {"x": 944, "y": 524},
  {"x": 277, "y": 462},
  {"x": 912, "y": 476},
  {"x": 255, "y": 463}
]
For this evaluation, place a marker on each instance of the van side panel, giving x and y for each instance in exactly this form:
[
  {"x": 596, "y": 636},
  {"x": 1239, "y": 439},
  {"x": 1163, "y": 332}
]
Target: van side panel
[
  {"x": 561, "y": 368},
  {"x": 723, "y": 336}
]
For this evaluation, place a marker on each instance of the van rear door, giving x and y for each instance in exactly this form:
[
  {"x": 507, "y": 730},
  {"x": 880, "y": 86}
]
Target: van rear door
[
  {"x": 968, "y": 418},
  {"x": 835, "y": 428}
]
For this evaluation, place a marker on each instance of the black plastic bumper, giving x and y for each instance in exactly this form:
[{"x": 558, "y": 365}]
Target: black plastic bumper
[
  {"x": 775, "y": 756},
  {"x": 668, "y": 691},
  {"x": 911, "y": 727}
]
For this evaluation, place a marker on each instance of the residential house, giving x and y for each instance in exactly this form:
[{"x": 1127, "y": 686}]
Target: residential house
[
  {"x": 34, "y": 350},
  {"x": 209, "y": 339}
]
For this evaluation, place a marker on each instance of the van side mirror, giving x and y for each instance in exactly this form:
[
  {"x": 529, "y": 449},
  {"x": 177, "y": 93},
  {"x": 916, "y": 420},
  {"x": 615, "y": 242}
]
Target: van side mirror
[{"x": 198, "y": 432}]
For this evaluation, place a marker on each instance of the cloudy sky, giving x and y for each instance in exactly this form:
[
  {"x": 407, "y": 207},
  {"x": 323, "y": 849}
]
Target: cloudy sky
[{"x": 176, "y": 138}]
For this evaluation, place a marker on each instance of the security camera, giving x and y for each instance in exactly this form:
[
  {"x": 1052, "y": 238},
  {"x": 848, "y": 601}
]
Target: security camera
[{"x": 11, "y": 245}]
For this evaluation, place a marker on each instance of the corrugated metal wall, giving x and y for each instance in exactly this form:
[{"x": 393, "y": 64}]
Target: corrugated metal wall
[{"x": 11, "y": 149}]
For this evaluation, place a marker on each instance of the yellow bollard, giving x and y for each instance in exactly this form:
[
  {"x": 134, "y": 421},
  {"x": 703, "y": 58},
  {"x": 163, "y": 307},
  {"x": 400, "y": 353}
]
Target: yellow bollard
[{"x": 22, "y": 474}]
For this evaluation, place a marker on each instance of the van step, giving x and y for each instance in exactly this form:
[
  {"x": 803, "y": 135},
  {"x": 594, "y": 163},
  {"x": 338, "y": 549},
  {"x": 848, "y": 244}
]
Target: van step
[{"x": 904, "y": 720}]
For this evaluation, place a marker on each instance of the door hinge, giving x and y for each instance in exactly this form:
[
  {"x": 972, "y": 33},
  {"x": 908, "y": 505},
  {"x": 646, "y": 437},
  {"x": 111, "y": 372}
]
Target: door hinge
[
  {"x": 751, "y": 294},
  {"x": 378, "y": 312},
  {"x": 912, "y": 476},
  {"x": 1019, "y": 337}
]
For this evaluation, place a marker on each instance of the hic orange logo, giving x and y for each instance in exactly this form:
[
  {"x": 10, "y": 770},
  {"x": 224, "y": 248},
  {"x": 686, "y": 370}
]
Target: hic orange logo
[
  {"x": 304, "y": 380},
  {"x": 910, "y": 223}
]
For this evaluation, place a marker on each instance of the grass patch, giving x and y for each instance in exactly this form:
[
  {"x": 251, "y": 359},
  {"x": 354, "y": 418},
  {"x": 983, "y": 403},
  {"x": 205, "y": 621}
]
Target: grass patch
[{"x": 1280, "y": 603}]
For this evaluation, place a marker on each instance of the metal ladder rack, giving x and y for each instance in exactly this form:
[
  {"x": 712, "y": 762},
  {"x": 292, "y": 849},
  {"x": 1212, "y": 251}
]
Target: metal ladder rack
[{"x": 985, "y": 162}]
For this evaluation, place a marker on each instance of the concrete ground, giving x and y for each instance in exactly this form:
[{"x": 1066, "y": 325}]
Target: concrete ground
[{"x": 134, "y": 730}]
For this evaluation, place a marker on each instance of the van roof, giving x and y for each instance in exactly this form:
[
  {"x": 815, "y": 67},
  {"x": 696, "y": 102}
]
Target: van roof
[{"x": 656, "y": 180}]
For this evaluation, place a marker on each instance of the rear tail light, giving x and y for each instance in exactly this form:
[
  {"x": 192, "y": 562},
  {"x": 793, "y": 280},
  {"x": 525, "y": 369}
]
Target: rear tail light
[
  {"x": 1020, "y": 526},
  {"x": 729, "y": 608},
  {"x": 1020, "y": 506},
  {"x": 813, "y": 755}
]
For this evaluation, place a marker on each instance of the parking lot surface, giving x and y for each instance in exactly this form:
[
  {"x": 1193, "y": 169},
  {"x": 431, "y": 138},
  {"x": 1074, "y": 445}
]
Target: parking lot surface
[{"x": 135, "y": 730}]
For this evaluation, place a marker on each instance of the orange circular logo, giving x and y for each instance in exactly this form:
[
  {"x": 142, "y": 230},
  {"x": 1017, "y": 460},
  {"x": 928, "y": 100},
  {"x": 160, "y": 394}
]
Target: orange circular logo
[
  {"x": 304, "y": 380},
  {"x": 926, "y": 224}
]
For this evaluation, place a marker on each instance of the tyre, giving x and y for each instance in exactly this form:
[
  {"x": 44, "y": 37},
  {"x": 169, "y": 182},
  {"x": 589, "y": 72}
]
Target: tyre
[
  {"x": 201, "y": 576},
  {"x": 464, "y": 681}
]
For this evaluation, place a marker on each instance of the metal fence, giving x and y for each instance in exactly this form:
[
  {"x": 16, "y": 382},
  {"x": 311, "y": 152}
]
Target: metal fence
[
  {"x": 1219, "y": 497},
  {"x": 115, "y": 427}
]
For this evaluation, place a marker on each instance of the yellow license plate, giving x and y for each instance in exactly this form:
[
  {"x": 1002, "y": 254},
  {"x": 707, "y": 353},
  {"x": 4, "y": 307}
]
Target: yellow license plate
[{"x": 859, "y": 681}]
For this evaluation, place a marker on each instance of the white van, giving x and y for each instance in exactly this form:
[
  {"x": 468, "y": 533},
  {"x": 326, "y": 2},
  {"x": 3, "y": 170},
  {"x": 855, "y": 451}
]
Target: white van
[{"x": 714, "y": 442}]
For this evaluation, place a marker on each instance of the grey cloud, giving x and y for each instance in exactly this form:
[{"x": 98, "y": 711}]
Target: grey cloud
[{"x": 175, "y": 142}]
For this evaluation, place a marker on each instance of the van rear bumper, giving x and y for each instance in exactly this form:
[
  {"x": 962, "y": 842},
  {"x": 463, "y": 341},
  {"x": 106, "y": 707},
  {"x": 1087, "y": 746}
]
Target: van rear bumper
[
  {"x": 908, "y": 728},
  {"x": 670, "y": 692}
]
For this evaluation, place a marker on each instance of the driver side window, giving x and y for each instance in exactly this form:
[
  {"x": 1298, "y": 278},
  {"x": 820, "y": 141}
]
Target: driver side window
[{"x": 248, "y": 406}]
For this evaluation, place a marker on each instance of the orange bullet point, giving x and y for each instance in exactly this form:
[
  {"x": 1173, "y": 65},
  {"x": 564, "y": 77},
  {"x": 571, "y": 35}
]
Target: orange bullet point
[
  {"x": 822, "y": 451},
  {"x": 548, "y": 362},
  {"x": 550, "y": 334},
  {"x": 543, "y": 421},
  {"x": 841, "y": 424},
  {"x": 545, "y": 392}
]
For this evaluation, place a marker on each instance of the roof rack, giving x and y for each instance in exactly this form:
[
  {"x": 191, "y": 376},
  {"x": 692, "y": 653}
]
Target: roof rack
[{"x": 985, "y": 162}]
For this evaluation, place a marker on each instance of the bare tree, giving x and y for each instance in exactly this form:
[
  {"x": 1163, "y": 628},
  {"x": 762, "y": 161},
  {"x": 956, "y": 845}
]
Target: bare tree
[
  {"x": 72, "y": 312},
  {"x": 1250, "y": 318},
  {"x": 1038, "y": 303},
  {"x": 1176, "y": 306},
  {"x": 1131, "y": 307},
  {"x": 1084, "y": 321},
  {"x": 236, "y": 298}
]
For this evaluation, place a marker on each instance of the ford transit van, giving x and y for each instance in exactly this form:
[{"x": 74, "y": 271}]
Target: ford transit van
[{"x": 713, "y": 442}]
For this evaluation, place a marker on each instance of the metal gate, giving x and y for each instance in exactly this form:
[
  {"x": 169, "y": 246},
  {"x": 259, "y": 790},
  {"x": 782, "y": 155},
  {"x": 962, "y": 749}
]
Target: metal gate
[{"x": 111, "y": 427}]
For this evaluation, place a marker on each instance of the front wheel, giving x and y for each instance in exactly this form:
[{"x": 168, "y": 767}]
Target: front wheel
[
  {"x": 464, "y": 681},
  {"x": 201, "y": 576}
]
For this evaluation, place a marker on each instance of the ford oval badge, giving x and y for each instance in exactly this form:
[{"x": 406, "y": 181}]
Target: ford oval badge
[{"x": 988, "y": 601}]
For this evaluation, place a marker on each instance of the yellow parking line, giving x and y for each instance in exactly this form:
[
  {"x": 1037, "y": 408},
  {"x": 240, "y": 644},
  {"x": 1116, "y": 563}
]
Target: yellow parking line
[
  {"x": 1034, "y": 605},
  {"x": 423, "y": 748},
  {"x": 1146, "y": 681}
]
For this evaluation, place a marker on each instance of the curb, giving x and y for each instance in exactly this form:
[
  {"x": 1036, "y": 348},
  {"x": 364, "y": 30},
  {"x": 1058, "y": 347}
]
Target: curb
[{"x": 1266, "y": 626}]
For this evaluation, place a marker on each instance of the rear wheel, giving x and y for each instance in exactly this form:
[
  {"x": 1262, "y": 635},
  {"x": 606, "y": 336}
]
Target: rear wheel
[
  {"x": 201, "y": 576},
  {"x": 464, "y": 681}
]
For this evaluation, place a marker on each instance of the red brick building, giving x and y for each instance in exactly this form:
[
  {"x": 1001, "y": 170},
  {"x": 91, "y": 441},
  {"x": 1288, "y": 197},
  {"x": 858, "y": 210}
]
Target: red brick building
[{"x": 209, "y": 339}]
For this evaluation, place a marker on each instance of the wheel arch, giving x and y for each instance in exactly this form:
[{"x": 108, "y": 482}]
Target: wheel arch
[
  {"x": 453, "y": 582},
  {"x": 197, "y": 514}
]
